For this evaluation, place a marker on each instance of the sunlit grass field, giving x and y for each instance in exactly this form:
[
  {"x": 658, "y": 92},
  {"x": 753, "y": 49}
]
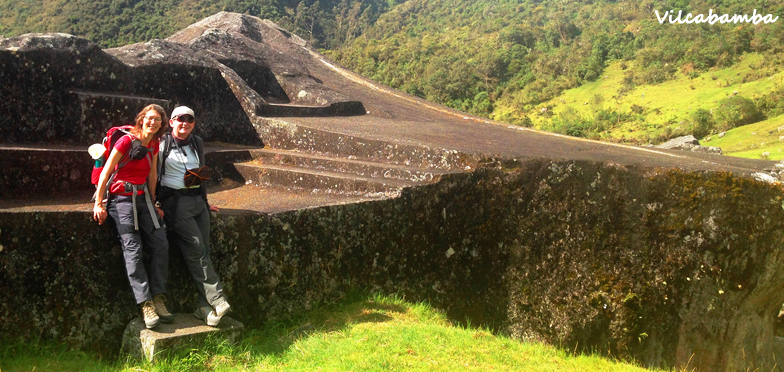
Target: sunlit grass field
[
  {"x": 367, "y": 333},
  {"x": 750, "y": 141}
]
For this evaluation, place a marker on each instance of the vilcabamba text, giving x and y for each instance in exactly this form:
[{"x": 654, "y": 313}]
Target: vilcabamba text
[{"x": 712, "y": 18}]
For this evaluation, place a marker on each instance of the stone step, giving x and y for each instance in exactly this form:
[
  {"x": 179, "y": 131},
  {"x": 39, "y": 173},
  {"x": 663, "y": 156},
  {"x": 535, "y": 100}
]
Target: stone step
[
  {"x": 283, "y": 135},
  {"x": 185, "y": 333},
  {"x": 32, "y": 172},
  {"x": 50, "y": 170},
  {"x": 41, "y": 171},
  {"x": 350, "y": 108},
  {"x": 53, "y": 170},
  {"x": 347, "y": 166},
  {"x": 103, "y": 110},
  {"x": 230, "y": 198},
  {"x": 295, "y": 178}
]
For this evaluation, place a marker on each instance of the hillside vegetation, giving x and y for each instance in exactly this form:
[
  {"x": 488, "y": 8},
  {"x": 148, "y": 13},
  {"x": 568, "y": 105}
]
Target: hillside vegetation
[
  {"x": 600, "y": 69},
  {"x": 111, "y": 23},
  {"x": 687, "y": 104},
  {"x": 516, "y": 61}
]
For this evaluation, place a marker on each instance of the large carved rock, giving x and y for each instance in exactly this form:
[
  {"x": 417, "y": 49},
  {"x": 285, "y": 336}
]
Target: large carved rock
[
  {"x": 254, "y": 48},
  {"x": 40, "y": 75},
  {"x": 229, "y": 68},
  {"x": 187, "y": 76}
]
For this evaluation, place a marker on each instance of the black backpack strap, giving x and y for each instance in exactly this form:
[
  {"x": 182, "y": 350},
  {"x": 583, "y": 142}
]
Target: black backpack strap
[
  {"x": 168, "y": 140},
  {"x": 198, "y": 143}
]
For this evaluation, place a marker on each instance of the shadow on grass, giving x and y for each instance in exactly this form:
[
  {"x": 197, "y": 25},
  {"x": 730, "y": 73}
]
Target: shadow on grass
[{"x": 276, "y": 337}]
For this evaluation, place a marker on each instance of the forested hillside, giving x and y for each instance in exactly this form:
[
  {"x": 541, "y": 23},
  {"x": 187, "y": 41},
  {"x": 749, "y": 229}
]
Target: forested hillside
[
  {"x": 110, "y": 23},
  {"x": 510, "y": 60},
  {"x": 502, "y": 58}
]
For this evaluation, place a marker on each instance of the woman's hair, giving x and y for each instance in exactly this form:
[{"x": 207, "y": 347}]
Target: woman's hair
[{"x": 137, "y": 128}]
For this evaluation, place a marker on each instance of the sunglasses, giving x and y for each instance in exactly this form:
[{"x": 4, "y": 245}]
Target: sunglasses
[{"x": 185, "y": 119}]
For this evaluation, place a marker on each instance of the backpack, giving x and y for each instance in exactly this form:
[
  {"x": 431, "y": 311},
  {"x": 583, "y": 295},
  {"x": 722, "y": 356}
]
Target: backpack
[
  {"x": 100, "y": 153},
  {"x": 112, "y": 136}
]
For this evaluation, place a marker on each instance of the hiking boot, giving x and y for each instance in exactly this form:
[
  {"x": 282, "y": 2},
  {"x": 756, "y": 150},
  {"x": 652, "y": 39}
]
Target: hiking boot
[
  {"x": 207, "y": 314},
  {"x": 221, "y": 308},
  {"x": 160, "y": 307},
  {"x": 150, "y": 316},
  {"x": 213, "y": 316}
]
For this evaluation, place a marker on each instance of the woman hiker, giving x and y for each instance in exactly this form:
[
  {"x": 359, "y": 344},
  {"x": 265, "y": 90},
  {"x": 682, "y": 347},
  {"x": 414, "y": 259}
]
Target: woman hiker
[
  {"x": 183, "y": 198},
  {"x": 129, "y": 204}
]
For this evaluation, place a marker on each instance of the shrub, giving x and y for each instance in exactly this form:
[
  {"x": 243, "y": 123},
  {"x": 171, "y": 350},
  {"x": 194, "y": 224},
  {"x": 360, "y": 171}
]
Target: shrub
[
  {"x": 571, "y": 123},
  {"x": 525, "y": 122},
  {"x": 577, "y": 128},
  {"x": 771, "y": 104},
  {"x": 606, "y": 119},
  {"x": 736, "y": 111},
  {"x": 516, "y": 118},
  {"x": 702, "y": 123},
  {"x": 482, "y": 103}
]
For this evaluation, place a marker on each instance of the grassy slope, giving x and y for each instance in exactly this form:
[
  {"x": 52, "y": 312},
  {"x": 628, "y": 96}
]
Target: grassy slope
[
  {"x": 669, "y": 105},
  {"x": 368, "y": 334},
  {"x": 751, "y": 141}
]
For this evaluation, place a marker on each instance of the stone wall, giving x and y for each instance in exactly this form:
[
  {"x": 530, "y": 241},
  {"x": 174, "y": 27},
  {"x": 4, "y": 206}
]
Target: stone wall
[{"x": 662, "y": 266}]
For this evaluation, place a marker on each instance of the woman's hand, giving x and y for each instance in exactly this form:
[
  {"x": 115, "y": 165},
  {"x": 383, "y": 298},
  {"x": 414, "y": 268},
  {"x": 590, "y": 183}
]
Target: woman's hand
[
  {"x": 160, "y": 211},
  {"x": 99, "y": 213},
  {"x": 213, "y": 208}
]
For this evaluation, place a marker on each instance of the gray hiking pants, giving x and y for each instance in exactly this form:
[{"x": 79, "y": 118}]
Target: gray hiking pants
[
  {"x": 188, "y": 221},
  {"x": 150, "y": 281}
]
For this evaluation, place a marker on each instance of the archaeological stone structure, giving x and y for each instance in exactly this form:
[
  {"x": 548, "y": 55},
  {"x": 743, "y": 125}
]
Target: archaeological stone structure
[{"x": 328, "y": 182}]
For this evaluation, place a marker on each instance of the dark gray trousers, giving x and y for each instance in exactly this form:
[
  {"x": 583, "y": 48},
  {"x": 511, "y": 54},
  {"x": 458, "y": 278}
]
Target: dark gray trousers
[
  {"x": 151, "y": 281},
  {"x": 188, "y": 220}
]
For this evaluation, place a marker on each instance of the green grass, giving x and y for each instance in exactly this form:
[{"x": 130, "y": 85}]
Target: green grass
[
  {"x": 35, "y": 356},
  {"x": 376, "y": 333},
  {"x": 750, "y": 141},
  {"x": 667, "y": 107}
]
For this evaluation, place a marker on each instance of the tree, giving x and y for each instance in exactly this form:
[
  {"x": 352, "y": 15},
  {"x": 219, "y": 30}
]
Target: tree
[
  {"x": 702, "y": 123},
  {"x": 736, "y": 111},
  {"x": 307, "y": 18}
]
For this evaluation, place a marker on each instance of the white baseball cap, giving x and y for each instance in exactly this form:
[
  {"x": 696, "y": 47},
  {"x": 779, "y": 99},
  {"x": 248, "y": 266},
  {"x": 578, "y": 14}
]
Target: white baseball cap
[{"x": 182, "y": 110}]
